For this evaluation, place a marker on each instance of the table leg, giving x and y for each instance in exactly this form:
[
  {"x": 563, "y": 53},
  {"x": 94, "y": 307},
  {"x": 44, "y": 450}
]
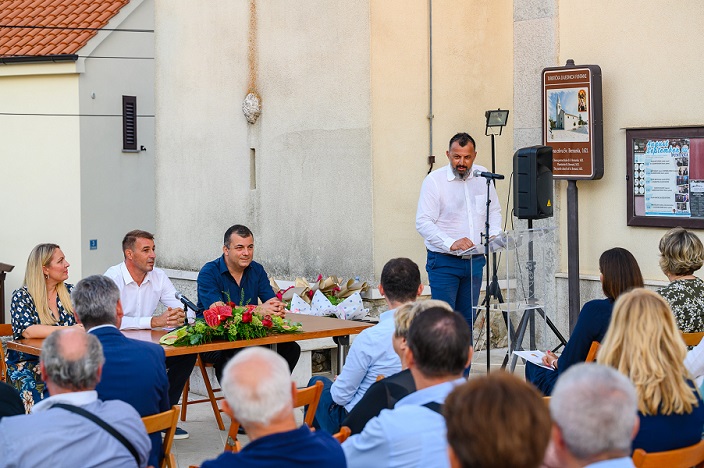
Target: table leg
[
  {"x": 343, "y": 343},
  {"x": 274, "y": 347}
]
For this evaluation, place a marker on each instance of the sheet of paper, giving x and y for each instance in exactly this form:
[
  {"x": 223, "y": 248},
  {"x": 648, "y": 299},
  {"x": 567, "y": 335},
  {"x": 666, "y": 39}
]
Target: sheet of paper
[{"x": 535, "y": 356}]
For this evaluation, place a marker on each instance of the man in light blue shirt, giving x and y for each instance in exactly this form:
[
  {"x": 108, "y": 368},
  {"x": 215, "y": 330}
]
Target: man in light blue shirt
[
  {"x": 372, "y": 353},
  {"x": 413, "y": 433},
  {"x": 595, "y": 414}
]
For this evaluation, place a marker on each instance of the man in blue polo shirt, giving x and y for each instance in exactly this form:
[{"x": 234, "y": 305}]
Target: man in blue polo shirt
[{"x": 236, "y": 277}]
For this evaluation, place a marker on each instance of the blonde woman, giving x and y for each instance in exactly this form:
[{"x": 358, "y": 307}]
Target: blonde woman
[
  {"x": 644, "y": 344},
  {"x": 41, "y": 305},
  {"x": 681, "y": 254}
]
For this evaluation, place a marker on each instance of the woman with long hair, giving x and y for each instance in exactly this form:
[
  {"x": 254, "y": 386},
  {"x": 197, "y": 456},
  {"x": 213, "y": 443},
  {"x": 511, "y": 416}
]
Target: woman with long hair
[
  {"x": 41, "y": 305},
  {"x": 644, "y": 344},
  {"x": 619, "y": 273},
  {"x": 681, "y": 254}
]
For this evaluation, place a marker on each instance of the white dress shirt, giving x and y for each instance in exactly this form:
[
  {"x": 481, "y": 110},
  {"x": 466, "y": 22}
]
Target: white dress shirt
[
  {"x": 140, "y": 301},
  {"x": 694, "y": 362},
  {"x": 450, "y": 209}
]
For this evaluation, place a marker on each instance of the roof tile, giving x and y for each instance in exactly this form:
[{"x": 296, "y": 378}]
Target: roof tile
[{"x": 58, "y": 13}]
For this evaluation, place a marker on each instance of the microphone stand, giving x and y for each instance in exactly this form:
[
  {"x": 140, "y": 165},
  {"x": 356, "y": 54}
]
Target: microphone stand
[{"x": 488, "y": 281}]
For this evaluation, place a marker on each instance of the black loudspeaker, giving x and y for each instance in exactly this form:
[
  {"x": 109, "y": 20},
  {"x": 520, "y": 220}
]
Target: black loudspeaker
[{"x": 532, "y": 183}]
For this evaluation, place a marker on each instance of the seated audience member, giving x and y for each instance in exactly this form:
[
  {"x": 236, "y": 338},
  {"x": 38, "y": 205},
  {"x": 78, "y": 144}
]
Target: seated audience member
[
  {"x": 385, "y": 393},
  {"x": 681, "y": 254},
  {"x": 595, "y": 418},
  {"x": 496, "y": 421},
  {"x": 134, "y": 371},
  {"x": 619, "y": 273},
  {"x": 56, "y": 433},
  {"x": 413, "y": 433},
  {"x": 372, "y": 353},
  {"x": 142, "y": 287},
  {"x": 38, "y": 308},
  {"x": 236, "y": 277},
  {"x": 10, "y": 401},
  {"x": 259, "y": 394},
  {"x": 694, "y": 362},
  {"x": 644, "y": 344}
]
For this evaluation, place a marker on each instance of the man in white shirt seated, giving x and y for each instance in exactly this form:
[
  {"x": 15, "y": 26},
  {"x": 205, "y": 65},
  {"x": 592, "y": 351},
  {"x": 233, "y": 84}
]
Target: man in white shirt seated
[
  {"x": 372, "y": 353},
  {"x": 413, "y": 433},
  {"x": 595, "y": 415},
  {"x": 142, "y": 287},
  {"x": 57, "y": 433}
]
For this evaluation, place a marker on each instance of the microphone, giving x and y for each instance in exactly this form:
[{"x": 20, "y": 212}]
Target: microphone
[
  {"x": 487, "y": 175},
  {"x": 186, "y": 302}
]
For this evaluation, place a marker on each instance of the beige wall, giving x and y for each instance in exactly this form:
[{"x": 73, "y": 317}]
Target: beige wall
[
  {"x": 40, "y": 161},
  {"x": 651, "y": 78},
  {"x": 311, "y": 208},
  {"x": 472, "y": 73}
]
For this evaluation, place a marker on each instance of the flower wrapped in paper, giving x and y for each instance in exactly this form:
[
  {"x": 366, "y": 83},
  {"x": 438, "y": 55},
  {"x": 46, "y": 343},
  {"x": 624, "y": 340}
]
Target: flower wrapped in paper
[
  {"x": 332, "y": 287},
  {"x": 351, "y": 308}
]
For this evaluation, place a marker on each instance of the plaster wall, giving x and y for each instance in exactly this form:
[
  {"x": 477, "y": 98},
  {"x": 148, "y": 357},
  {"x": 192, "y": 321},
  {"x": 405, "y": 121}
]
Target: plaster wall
[
  {"x": 472, "y": 64},
  {"x": 308, "y": 197},
  {"x": 650, "y": 79},
  {"x": 117, "y": 188},
  {"x": 40, "y": 161}
]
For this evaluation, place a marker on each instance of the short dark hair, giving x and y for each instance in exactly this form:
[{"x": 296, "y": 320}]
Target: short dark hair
[
  {"x": 132, "y": 236},
  {"x": 240, "y": 230},
  {"x": 95, "y": 301},
  {"x": 621, "y": 272},
  {"x": 439, "y": 340},
  {"x": 462, "y": 139},
  {"x": 497, "y": 420},
  {"x": 400, "y": 279}
]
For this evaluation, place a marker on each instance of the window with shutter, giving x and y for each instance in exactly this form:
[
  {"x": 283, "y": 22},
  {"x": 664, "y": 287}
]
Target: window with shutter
[{"x": 129, "y": 123}]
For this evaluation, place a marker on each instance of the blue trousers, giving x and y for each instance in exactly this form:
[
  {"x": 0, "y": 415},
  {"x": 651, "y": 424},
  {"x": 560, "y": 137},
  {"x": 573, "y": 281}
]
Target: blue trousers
[
  {"x": 329, "y": 415},
  {"x": 456, "y": 281}
]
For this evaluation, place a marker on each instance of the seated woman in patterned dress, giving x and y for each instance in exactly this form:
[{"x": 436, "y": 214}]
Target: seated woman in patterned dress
[
  {"x": 681, "y": 254},
  {"x": 643, "y": 343},
  {"x": 41, "y": 305},
  {"x": 619, "y": 273}
]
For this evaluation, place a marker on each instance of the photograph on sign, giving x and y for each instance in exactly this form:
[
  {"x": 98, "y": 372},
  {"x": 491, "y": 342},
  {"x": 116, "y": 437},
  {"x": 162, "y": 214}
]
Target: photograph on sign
[
  {"x": 666, "y": 177},
  {"x": 572, "y": 121},
  {"x": 568, "y": 117}
]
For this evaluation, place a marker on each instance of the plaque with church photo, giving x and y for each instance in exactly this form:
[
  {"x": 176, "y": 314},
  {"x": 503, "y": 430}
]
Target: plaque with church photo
[
  {"x": 572, "y": 121},
  {"x": 665, "y": 177}
]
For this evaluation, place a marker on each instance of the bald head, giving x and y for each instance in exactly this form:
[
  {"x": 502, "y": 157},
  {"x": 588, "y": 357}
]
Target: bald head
[
  {"x": 72, "y": 359},
  {"x": 257, "y": 386}
]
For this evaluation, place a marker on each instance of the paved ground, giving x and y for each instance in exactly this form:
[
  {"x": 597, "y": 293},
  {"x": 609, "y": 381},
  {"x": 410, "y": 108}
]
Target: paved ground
[{"x": 206, "y": 441}]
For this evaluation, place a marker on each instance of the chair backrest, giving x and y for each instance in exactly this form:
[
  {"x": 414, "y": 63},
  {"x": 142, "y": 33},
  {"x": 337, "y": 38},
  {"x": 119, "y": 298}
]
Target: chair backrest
[
  {"x": 692, "y": 339},
  {"x": 5, "y": 330},
  {"x": 379, "y": 377},
  {"x": 591, "y": 355},
  {"x": 309, "y": 396},
  {"x": 680, "y": 458},
  {"x": 165, "y": 421},
  {"x": 546, "y": 400},
  {"x": 344, "y": 433}
]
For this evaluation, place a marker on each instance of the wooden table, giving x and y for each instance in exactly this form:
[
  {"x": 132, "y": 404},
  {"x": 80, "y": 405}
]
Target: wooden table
[{"x": 313, "y": 327}]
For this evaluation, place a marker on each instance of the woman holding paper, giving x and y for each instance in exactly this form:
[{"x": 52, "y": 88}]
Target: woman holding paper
[
  {"x": 644, "y": 344},
  {"x": 619, "y": 273},
  {"x": 681, "y": 254}
]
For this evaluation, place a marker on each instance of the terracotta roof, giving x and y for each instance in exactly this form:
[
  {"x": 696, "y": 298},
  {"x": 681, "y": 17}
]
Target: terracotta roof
[{"x": 53, "y": 13}]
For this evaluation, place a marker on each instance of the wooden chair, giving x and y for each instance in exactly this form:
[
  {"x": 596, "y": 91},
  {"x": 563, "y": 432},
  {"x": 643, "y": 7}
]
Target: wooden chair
[
  {"x": 379, "y": 377},
  {"x": 591, "y": 355},
  {"x": 5, "y": 330},
  {"x": 680, "y": 458},
  {"x": 546, "y": 400},
  {"x": 208, "y": 388},
  {"x": 342, "y": 436},
  {"x": 165, "y": 421},
  {"x": 690, "y": 339},
  {"x": 309, "y": 396}
]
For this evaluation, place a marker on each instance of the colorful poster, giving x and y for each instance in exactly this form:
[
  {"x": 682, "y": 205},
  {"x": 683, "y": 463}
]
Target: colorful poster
[{"x": 661, "y": 177}]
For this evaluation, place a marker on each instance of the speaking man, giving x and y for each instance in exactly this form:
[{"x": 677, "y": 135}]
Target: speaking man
[{"x": 451, "y": 218}]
